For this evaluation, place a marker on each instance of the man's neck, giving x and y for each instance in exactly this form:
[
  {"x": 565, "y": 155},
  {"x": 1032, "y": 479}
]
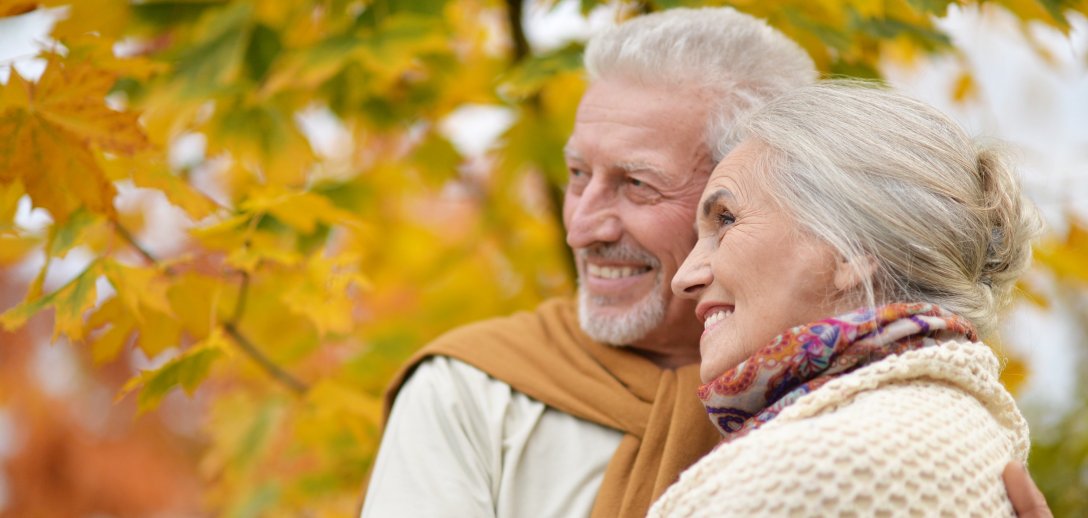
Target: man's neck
[{"x": 667, "y": 361}]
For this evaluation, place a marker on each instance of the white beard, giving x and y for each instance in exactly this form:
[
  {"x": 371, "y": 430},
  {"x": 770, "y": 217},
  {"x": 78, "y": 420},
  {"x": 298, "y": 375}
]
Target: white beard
[{"x": 632, "y": 325}]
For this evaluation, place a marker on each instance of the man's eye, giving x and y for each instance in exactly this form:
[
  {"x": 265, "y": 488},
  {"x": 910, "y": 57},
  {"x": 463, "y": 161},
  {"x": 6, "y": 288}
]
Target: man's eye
[{"x": 636, "y": 182}]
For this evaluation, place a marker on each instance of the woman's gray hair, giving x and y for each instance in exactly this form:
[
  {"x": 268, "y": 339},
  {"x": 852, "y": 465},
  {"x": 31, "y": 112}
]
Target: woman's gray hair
[
  {"x": 726, "y": 57},
  {"x": 889, "y": 180}
]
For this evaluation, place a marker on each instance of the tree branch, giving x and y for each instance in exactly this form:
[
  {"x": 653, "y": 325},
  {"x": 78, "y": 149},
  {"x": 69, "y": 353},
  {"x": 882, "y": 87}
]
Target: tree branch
[
  {"x": 514, "y": 11},
  {"x": 231, "y": 327},
  {"x": 256, "y": 355},
  {"x": 131, "y": 240}
]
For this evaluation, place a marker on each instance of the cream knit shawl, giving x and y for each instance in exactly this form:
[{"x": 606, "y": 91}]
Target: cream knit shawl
[{"x": 924, "y": 433}]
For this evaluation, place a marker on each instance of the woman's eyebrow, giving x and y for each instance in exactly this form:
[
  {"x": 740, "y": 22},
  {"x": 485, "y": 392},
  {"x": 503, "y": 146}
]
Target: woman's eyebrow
[{"x": 710, "y": 201}]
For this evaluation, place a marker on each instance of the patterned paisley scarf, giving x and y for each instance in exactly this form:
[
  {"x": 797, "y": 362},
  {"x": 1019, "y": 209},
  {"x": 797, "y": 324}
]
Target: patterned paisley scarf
[{"x": 805, "y": 357}]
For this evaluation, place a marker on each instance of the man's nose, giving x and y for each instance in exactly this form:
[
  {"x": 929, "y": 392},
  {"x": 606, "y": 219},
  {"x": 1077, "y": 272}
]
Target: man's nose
[
  {"x": 693, "y": 276},
  {"x": 595, "y": 217}
]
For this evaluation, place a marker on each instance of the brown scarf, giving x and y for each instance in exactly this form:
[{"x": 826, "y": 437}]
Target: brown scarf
[{"x": 546, "y": 356}]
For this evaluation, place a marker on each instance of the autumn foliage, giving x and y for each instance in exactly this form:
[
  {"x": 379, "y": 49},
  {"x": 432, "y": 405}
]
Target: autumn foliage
[{"x": 258, "y": 203}]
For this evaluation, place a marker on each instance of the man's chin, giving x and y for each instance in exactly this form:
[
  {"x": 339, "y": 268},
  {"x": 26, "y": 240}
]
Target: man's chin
[{"x": 619, "y": 325}]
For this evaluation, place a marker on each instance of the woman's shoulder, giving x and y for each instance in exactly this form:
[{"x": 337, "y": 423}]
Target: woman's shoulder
[
  {"x": 953, "y": 372},
  {"x": 903, "y": 436}
]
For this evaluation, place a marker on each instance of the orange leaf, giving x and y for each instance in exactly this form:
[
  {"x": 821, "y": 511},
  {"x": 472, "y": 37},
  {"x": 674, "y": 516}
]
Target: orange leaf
[
  {"x": 48, "y": 133},
  {"x": 16, "y": 7}
]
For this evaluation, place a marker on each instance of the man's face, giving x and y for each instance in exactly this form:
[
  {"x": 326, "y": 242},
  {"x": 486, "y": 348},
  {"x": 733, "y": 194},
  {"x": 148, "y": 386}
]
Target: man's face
[{"x": 638, "y": 163}]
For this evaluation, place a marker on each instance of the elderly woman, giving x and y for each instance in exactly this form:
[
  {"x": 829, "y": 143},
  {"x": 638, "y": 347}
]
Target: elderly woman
[{"x": 851, "y": 251}]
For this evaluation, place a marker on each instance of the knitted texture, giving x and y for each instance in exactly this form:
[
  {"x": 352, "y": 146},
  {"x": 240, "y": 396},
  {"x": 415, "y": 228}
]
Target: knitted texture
[{"x": 925, "y": 433}]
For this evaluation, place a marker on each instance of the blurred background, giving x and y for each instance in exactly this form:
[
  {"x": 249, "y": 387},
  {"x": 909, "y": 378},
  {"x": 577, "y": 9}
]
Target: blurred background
[{"x": 224, "y": 224}]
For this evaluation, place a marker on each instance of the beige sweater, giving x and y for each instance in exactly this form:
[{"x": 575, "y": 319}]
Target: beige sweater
[{"x": 926, "y": 433}]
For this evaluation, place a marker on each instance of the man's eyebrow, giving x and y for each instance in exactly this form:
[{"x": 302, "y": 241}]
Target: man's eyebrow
[
  {"x": 639, "y": 166},
  {"x": 572, "y": 154},
  {"x": 710, "y": 201}
]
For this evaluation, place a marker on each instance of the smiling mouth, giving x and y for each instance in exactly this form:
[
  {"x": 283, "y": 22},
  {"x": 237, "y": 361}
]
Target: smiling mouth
[
  {"x": 615, "y": 272},
  {"x": 716, "y": 316}
]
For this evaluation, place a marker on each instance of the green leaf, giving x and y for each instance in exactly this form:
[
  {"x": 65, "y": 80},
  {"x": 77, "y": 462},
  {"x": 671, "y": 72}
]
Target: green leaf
[
  {"x": 533, "y": 73},
  {"x": 214, "y": 60},
  {"x": 264, "y": 47},
  {"x": 934, "y": 7},
  {"x": 187, "y": 370},
  {"x": 69, "y": 303},
  {"x": 889, "y": 28},
  {"x": 436, "y": 159},
  {"x": 65, "y": 236}
]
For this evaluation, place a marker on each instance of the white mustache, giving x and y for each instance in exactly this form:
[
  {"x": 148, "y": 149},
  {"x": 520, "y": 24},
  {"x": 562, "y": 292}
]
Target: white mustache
[{"x": 619, "y": 252}]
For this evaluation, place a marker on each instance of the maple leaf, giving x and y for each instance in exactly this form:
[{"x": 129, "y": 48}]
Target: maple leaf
[
  {"x": 186, "y": 370},
  {"x": 69, "y": 302},
  {"x": 49, "y": 132},
  {"x": 16, "y": 7}
]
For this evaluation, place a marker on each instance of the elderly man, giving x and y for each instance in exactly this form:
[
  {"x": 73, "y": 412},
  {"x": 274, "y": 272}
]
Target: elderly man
[{"x": 588, "y": 407}]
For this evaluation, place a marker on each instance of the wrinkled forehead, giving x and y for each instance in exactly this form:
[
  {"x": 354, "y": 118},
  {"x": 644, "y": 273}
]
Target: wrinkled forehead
[
  {"x": 745, "y": 169},
  {"x": 633, "y": 126}
]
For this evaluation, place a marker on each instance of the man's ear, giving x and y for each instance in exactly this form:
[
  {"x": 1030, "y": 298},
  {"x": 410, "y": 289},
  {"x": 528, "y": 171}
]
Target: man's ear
[{"x": 851, "y": 273}]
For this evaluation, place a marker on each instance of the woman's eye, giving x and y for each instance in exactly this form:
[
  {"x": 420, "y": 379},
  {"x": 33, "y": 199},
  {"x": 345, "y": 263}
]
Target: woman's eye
[{"x": 726, "y": 218}]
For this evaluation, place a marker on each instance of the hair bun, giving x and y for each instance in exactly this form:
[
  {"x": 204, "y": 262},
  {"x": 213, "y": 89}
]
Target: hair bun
[{"x": 1014, "y": 224}]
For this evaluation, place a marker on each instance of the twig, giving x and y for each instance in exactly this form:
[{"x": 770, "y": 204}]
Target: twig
[
  {"x": 231, "y": 327},
  {"x": 131, "y": 240},
  {"x": 517, "y": 29},
  {"x": 271, "y": 368}
]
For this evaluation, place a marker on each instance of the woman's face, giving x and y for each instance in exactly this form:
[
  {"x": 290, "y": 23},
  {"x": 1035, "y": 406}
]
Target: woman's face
[{"x": 753, "y": 272}]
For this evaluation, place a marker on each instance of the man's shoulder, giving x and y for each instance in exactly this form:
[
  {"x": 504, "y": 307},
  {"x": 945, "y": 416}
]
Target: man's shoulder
[{"x": 502, "y": 347}]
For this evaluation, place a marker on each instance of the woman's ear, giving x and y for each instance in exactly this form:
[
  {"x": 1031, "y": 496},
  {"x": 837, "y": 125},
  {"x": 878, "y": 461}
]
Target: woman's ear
[{"x": 851, "y": 273}]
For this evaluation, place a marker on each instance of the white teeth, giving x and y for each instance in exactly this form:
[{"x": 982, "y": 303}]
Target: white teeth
[
  {"x": 715, "y": 317},
  {"x": 609, "y": 272}
]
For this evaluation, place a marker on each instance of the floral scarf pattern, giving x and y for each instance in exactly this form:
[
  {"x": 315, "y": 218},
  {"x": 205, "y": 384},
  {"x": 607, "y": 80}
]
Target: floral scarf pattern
[{"x": 806, "y": 357}]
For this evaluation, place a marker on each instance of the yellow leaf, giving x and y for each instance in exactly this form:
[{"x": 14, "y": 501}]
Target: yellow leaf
[
  {"x": 105, "y": 17},
  {"x": 14, "y": 248},
  {"x": 224, "y": 235},
  {"x": 10, "y": 193},
  {"x": 1067, "y": 259},
  {"x": 197, "y": 300},
  {"x": 98, "y": 51},
  {"x": 48, "y": 130},
  {"x": 263, "y": 136},
  {"x": 300, "y": 210},
  {"x": 869, "y": 8},
  {"x": 16, "y": 7},
  {"x": 157, "y": 333},
  {"x": 1015, "y": 373},
  {"x": 964, "y": 88},
  {"x": 15, "y": 94},
  {"x": 110, "y": 342},
  {"x": 139, "y": 289},
  {"x": 119, "y": 326},
  {"x": 323, "y": 293},
  {"x": 187, "y": 370},
  {"x": 69, "y": 303}
]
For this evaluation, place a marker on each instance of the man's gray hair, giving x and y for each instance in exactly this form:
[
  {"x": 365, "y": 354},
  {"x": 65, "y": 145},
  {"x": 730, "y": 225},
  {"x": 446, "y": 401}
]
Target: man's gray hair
[
  {"x": 731, "y": 59},
  {"x": 893, "y": 183}
]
